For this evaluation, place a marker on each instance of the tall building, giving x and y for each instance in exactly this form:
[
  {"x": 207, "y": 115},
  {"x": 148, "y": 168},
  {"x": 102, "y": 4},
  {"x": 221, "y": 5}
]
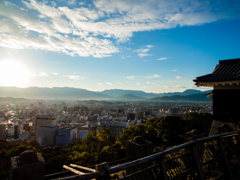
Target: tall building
[
  {"x": 44, "y": 120},
  {"x": 46, "y": 135},
  {"x": 141, "y": 114},
  {"x": 3, "y": 131},
  {"x": 131, "y": 116}
]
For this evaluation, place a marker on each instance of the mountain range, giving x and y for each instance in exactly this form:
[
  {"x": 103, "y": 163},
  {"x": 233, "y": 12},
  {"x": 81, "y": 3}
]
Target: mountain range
[{"x": 83, "y": 94}]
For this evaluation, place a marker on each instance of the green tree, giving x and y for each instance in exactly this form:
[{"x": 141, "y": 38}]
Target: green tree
[{"x": 202, "y": 122}]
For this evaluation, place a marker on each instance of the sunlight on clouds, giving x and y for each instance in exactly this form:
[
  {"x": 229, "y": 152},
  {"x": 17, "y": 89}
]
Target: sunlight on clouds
[
  {"x": 96, "y": 30},
  {"x": 42, "y": 74}
]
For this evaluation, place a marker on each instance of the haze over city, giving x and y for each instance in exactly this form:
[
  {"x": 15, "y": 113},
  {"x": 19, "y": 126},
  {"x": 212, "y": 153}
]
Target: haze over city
[{"x": 153, "y": 46}]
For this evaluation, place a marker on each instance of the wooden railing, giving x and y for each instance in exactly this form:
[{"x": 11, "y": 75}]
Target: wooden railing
[{"x": 215, "y": 157}]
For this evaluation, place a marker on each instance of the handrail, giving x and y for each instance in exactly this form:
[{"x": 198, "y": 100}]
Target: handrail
[
  {"x": 168, "y": 151},
  {"x": 189, "y": 145}
]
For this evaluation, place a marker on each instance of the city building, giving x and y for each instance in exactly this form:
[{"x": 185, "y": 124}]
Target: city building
[
  {"x": 44, "y": 120},
  {"x": 131, "y": 116},
  {"x": 3, "y": 131},
  {"x": 46, "y": 135},
  {"x": 65, "y": 136},
  {"x": 82, "y": 133}
]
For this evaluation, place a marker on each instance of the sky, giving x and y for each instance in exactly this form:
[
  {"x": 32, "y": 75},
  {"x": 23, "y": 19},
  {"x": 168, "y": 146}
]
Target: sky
[{"x": 154, "y": 46}]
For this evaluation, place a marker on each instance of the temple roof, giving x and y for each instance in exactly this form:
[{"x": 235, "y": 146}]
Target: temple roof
[{"x": 226, "y": 70}]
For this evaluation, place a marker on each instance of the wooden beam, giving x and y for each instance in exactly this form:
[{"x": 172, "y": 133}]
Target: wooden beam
[
  {"x": 73, "y": 170},
  {"x": 82, "y": 167}
]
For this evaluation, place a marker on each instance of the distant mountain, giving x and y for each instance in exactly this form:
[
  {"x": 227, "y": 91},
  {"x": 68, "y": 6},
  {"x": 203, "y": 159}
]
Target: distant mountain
[
  {"x": 130, "y": 97},
  {"x": 121, "y": 92},
  {"x": 83, "y": 94},
  {"x": 50, "y": 93},
  {"x": 192, "y": 97},
  {"x": 12, "y": 99}
]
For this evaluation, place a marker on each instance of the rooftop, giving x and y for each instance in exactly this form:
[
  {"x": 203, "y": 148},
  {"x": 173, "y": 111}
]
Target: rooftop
[{"x": 226, "y": 70}]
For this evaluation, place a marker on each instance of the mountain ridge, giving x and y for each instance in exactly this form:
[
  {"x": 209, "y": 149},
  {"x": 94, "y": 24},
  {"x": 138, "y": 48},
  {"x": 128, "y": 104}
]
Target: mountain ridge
[{"x": 77, "y": 93}]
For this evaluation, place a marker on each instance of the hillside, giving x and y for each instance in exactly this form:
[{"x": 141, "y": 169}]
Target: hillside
[{"x": 192, "y": 97}]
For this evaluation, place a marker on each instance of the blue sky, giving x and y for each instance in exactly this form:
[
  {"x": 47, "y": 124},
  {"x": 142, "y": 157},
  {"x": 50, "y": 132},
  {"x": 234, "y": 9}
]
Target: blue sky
[{"x": 155, "y": 45}]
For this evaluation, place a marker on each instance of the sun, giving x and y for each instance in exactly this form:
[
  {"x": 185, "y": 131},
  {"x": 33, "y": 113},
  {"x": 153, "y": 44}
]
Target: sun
[{"x": 13, "y": 73}]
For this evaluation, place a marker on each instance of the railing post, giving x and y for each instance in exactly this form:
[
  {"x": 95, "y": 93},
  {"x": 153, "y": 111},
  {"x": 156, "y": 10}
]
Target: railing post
[
  {"x": 224, "y": 160},
  {"x": 163, "y": 169},
  {"x": 196, "y": 161},
  {"x": 103, "y": 167}
]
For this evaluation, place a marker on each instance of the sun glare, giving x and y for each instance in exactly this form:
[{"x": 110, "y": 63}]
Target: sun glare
[{"x": 13, "y": 73}]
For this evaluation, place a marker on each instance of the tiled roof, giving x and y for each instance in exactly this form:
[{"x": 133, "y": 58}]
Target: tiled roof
[{"x": 226, "y": 70}]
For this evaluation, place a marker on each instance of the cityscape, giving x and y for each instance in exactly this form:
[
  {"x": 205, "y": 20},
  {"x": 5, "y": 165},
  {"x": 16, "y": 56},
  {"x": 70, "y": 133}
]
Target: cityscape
[{"x": 117, "y": 90}]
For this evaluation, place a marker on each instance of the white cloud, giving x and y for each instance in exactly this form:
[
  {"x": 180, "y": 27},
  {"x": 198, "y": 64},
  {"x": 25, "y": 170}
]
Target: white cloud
[
  {"x": 175, "y": 70},
  {"x": 179, "y": 77},
  {"x": 149, "y": 46},
  {"x": 142, "y": 52},
  {"x": 71, "y": 2},
  {"x": 109, "y": 83},
  {"x": 146, "y": 60},
  {"x": 74, "y": 77},
  {"x": 163, "y": 58},
  {"x": 167, "y": 87},
  {"x": 154, "y": 76},
  {"x": 42, "y": 74},
  {"x": 55, "y": 74},
  {"x": 138, "y": 83},
  {"x": 96, "y": 30},
  {"x": 179, "y": 86},
  {"x": 130, "y": 77},
  {"x": 152, "y": 83},
  {"x": 99, "y": 84}
]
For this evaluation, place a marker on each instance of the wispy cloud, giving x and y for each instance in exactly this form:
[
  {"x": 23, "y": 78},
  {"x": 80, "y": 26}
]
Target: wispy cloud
[
  {"x": 138, "y": 83},
  {"x": 143, "y": 51},
  {"x": 42, "y": 74},
  {"x": 179, "y": 77},
  {"x": 74, "y": 77},
  {"x": 55, "y": 74},
  {"x": 130, "y": 77},
  {"x": 175, "y": 70},
  {"x": 152, "y": 83},
  {"x": 109, "y": 83},
  {"x": 163, "y": 58},
  {"x": 99, "y": 84},
  {"x": 95, "y": 30},
  {"x": 179, "y": 86},
  {"x": 154, "y": 76},
  {"x": 146, "y": 60},
  {"x": 71, "y": 2}
]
